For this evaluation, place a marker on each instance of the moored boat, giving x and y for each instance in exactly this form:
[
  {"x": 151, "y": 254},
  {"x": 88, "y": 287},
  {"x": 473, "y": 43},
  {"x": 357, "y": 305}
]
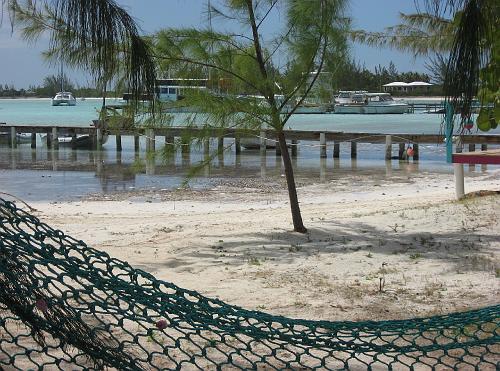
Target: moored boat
[
  {"x": 371, "y": 103},
  {"x": 345, "y": 96},
  {"x": 83, "y": 141},
  {"x": 64, "y": 98}
]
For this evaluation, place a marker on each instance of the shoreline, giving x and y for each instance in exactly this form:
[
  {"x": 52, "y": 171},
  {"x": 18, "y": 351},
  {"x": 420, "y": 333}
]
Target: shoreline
[{"x": 375, "y": 250}]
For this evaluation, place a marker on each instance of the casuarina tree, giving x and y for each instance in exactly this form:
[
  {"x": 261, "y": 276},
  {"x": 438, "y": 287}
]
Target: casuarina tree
[{"x": 262, "y": 59}]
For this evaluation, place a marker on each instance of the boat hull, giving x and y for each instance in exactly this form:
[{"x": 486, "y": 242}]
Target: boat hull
[
  {"x": 371, "y": 109},
  {"x": 83, "y": 141},
  {"x": 63, "y": 102}
]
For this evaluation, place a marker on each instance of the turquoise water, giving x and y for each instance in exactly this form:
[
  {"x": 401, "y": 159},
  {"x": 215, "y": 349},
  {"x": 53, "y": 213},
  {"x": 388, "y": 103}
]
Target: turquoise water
[
  {"x": 40, "y": 112},
  {"x": 68, "y": 174}
]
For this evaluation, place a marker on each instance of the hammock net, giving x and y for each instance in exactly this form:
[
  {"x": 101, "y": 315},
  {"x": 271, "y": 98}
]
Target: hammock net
[{"x": 67, "y": 306}]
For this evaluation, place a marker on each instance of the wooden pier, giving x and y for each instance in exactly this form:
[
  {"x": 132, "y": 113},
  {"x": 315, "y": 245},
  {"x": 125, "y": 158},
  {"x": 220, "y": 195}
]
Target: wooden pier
[
  {"x": 324, "y": 139},
  {"x": 437, "y": 107}
]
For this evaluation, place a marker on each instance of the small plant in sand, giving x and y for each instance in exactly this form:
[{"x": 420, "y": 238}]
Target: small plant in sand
[
  {"x": 396, "y": 226},
  {"x": 253, "y": 260}
]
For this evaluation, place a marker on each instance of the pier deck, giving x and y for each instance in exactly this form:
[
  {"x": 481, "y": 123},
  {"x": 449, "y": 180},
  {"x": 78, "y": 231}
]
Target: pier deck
[{"x": 321, "y": 136}]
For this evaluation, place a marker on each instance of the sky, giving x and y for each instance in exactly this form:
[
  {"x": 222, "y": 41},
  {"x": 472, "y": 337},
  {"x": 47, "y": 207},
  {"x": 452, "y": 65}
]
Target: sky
[{"x": 21, "y": 63}]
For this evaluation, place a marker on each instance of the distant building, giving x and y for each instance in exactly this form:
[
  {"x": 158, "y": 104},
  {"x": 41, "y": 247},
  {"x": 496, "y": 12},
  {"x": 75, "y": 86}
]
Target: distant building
[
  {"x": 173, "y": 89},
  {"x": 405, "y": 87}
]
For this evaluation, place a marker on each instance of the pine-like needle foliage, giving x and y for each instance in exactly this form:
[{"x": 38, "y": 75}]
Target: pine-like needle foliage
[
  {"x": 255, "y": 81},
  {"x": 419, "y": 34}
]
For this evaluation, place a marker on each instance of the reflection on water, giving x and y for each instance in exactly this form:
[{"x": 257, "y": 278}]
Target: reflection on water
[{"x": 48, "y": 174}]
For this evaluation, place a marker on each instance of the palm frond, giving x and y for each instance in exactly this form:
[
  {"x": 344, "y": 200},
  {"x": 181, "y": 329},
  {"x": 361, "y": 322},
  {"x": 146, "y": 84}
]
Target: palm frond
[
  {"x": 97, "y": 35},
  {"x": 472, "y": 51}
]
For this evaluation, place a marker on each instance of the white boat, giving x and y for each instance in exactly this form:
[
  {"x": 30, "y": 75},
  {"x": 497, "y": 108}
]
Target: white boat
[
  {"x": 371, "y": 103},
  {"x": 83, "y": 141},
  {"x": 64, "y": 98},
  {"x": 345, "y": 96}
]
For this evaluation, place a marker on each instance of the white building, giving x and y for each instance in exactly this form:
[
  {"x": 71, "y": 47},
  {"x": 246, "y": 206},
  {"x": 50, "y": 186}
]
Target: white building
[{"x": 173, "y": 89}]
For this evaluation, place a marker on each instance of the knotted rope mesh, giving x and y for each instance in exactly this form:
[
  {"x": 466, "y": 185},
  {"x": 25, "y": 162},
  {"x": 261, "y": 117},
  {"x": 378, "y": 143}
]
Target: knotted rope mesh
[{"x": 64, "y": 305}]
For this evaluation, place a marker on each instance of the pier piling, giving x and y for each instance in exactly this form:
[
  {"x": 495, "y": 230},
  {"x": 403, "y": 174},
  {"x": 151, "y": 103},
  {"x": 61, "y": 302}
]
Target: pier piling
[
  {"x": 118, "y": 140},
  {"x": 388, "y": 147},
  {"x": 170, "y": 145},
  {"x": 263, "y": 144},
  {"x": 294, "y": 148},
  {"x": 354, "y": 149},
  {"x": 401, "y": 152},
  {"x": 186, "y": 147},
  {"x": 220, "y": 144},
  {"x": 322, "y": 169},
  {"x": 322, "y": 145},
  {"x": 33, "y": 140},
  {"x": 55, "y": 138},
  {"x": 13, "y": 137},
  {"x": 73, "y": 139},
  {"x": 484, "y": 147},
  {"x": 206, "y": 147},
  {"x": 150, "y": 140},
  {"x": 136, "y": 143},
  {"x": 98, "y": 139},
  {"x": 336, "y": 150},
  {"x": 237, "y": 145},
  {"x": 416, "y": 153}
]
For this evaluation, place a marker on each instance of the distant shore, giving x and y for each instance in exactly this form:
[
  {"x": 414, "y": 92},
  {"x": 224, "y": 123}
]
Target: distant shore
[
  {"x": 437, "y": 98},
  {"x": 48, "y": 98}
]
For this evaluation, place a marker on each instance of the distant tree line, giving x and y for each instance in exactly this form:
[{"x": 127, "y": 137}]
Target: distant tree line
[
  {"x": 50, "y": 86},
  {"x": 350, "y": 75}
]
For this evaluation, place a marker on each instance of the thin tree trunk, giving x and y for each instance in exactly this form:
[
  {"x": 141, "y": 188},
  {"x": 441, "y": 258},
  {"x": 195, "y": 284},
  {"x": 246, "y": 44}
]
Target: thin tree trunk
[{"x": 298, "y": 225}]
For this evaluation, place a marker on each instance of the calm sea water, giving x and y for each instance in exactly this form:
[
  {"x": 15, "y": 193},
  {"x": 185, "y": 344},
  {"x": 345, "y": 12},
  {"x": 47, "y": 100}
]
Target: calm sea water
[
  {"x": 68, "y": 174},
  {"x": 40, "y": 112}
]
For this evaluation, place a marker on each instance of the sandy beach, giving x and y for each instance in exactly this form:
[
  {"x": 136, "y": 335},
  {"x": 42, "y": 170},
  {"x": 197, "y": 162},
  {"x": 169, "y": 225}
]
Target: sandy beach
[{"x": 376, "y": 249}]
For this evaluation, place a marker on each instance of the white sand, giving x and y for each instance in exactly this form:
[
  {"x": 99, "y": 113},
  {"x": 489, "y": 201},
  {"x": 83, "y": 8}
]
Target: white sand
[{"x": 430, "y": 253}]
